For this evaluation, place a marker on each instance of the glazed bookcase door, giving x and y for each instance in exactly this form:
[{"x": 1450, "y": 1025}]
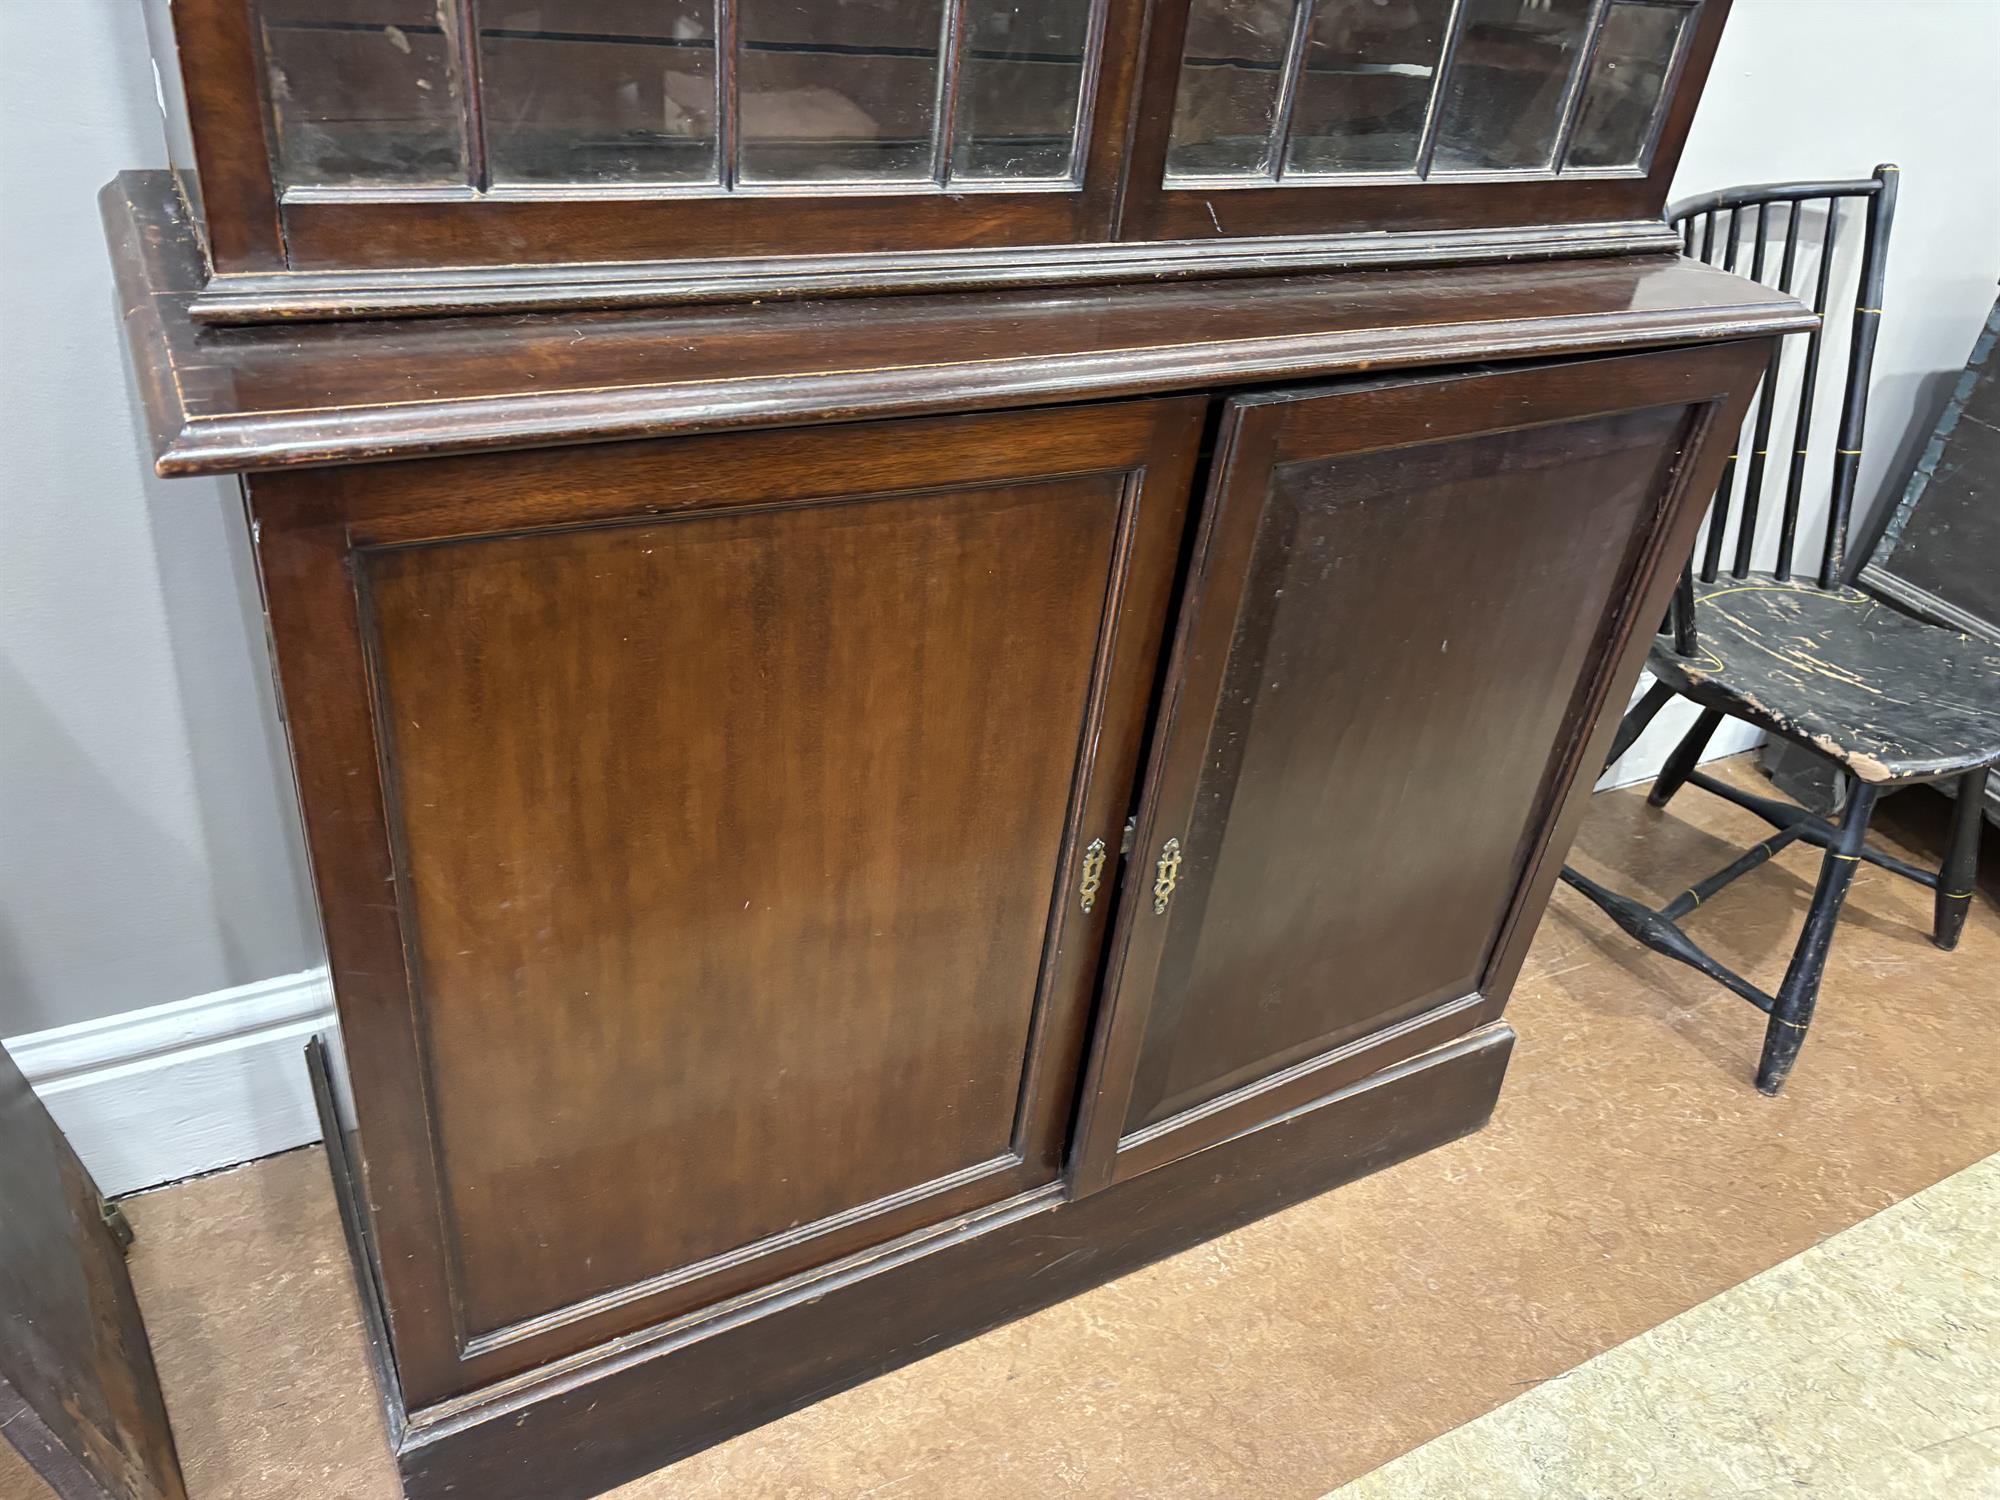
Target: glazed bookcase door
[
  {"x": 393, "y": 138},
  {"x": 1408, "y": 602},
  {"x": 702, "y": 828},
  {"x": 1309, "y": 116},
  {"x": 412, "y": 133}
]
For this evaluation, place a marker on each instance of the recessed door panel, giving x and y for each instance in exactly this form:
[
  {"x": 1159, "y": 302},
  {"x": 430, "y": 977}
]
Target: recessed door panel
[
  {"x": 1400, "y": 618},
  {"x": 727, "y": 863},
  {"x": 1407, "y": 644},
  {"x": 735, "y": 795}
]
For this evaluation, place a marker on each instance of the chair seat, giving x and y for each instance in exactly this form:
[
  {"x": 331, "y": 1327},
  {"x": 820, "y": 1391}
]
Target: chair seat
[{"x": 1885, "y": 695}]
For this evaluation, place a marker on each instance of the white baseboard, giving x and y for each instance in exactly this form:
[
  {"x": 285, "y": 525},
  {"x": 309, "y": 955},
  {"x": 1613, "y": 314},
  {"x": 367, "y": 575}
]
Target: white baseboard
[{"x": 153, "y": 1095}]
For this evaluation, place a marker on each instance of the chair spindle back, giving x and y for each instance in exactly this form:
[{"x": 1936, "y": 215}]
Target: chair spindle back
[{"x": 1714, "y": 228}]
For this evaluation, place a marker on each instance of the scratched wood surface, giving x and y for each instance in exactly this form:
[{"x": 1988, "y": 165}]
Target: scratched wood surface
[{"x": 1887, "y": 696}]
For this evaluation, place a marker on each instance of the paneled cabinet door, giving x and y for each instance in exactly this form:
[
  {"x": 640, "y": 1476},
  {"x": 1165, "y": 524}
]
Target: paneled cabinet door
[
  {"x": 701, "y": 829},
  {"x": 1408, "y": 602}
]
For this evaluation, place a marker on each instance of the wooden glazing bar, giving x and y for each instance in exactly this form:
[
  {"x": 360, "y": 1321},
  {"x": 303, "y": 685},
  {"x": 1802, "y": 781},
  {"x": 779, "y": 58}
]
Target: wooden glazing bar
[
  {"x": 726, "y": 106},
  {"x": 1288, "y": 89},
  {"x": 461, "y": 29},
  {"x": 1579, "y": 77},
  {"x": 1434, "y": 111},
  {"x": 1085, "y": 119},
  {"x": 951, "y": 68}
]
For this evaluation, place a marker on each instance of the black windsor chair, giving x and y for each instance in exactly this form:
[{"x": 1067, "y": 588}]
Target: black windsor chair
[{"x": 1787, "y": 643}]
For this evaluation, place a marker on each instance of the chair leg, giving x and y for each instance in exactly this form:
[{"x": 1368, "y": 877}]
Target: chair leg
[
  {"x": 1687, "y": 755},
  {"x": 1637, "y": 717},
  {"x": 1961, "y": 861},
  {"x": 1792, "y": 1011}
]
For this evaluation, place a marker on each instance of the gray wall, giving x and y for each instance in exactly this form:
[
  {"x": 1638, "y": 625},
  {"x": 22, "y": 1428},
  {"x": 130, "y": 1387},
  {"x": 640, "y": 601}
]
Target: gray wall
[{"x": 148, "y": 849}]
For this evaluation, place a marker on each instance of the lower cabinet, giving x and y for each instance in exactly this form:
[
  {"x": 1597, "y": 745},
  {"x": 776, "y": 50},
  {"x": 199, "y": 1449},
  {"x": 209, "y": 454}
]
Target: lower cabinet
[{"x": 796, "y": 898}]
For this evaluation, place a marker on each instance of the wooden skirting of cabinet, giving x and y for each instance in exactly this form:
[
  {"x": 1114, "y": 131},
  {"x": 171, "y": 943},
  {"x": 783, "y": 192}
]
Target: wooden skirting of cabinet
[
  {"x": 573, "y": 1430},
  {"x": 837, "y": 824}
]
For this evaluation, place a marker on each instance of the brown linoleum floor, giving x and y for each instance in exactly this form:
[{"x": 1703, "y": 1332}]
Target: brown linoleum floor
[
  {"x": 1864, "y": 1368},
  {"x": 1631, "y": 1173}
]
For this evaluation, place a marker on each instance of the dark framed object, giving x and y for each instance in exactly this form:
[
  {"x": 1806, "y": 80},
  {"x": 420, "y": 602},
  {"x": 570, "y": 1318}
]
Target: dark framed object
[
  {"x": 1939, "y": 552},
  {"x": 1938, "y": 556},
  {"x": 79, "y": 1396}
]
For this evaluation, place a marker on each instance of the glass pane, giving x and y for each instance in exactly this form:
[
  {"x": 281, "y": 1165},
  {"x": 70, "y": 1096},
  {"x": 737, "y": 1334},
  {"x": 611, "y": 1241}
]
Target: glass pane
[
  {"x": 1019, "y": 86},
  {"x": 362, "y": 93},
  {"x": 837, "y": 89},
  {"x": 1503, "y": 99},
  {"x": 598, "y": 90},
  {"x": 1232, "y": 71},
  {"x": 1366, "y": 85},
  {"x": 1628, "y": 75}
]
